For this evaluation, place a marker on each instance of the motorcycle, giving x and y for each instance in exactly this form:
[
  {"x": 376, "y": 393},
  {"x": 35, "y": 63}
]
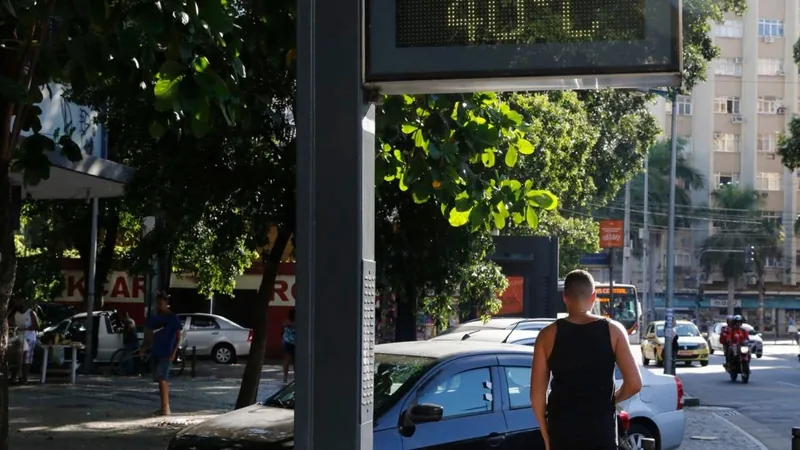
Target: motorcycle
[{"x": 739, "y": 363}]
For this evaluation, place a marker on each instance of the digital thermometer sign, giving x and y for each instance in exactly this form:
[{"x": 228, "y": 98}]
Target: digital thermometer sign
[{"x": 426, "y": 46}]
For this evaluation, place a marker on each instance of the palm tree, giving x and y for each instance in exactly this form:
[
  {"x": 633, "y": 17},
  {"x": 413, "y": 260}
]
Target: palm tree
[{"x": 739, "y": 226}]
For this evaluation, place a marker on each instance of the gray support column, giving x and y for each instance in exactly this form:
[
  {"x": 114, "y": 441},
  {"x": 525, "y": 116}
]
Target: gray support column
[
  {"x": 335, "y": 231},
  {"x": 89, "y": 351}
]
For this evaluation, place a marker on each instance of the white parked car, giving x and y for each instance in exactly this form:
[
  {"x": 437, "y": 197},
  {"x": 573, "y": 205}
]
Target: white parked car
[
  {"x": 518, "y": 337},
  {"x": 655, "y": 412},
  {"x": 755, "y": 338},
  {"x": 501, "y": 323},
  {"x": 216, "y": 336}
]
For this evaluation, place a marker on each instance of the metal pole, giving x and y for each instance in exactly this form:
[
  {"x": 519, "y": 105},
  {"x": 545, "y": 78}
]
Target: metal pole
[
  {"x": 335, "y": 222},
  {"x": 646, "y": 245},
  {"x": 670, "y": 279},
  {"x": 626, "y": 239},
  {"x": 88, "y": 354}
]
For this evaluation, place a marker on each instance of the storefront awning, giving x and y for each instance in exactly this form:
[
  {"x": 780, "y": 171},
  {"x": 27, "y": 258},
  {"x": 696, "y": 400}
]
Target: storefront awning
[{"x": 89, "y": 177}]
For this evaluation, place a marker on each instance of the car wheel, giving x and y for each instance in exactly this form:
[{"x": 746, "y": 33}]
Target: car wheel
[
  {"x": 711, "y": 350},
  {"x": 703, "y": 363},
  {"x": 645, "y": 361},
  {"x": 659, "y": 362},
  {"x": 223, "y": 354},
  {"x": 759, "y": 355},
  {"x": 638, "y": 432}
]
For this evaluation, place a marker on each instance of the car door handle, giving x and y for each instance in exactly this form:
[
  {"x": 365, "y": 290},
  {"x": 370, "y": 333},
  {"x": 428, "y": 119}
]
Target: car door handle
[{"x": 495, "y": 439}]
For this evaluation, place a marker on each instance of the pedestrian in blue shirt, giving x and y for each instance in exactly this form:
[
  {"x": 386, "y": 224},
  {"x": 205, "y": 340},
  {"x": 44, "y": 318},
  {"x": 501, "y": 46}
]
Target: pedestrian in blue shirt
[{"x": 163, "y": 337}]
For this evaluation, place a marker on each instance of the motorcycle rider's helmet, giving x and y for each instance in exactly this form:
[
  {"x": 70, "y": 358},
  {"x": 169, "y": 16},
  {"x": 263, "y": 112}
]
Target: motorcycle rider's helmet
[
  {"x": 729, "y": 320},
  {"x": 738, "y": 320}
]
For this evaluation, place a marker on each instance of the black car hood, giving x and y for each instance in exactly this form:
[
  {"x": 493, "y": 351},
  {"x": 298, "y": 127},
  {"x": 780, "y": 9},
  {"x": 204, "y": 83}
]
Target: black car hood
[{"x": 255, "y": 427}]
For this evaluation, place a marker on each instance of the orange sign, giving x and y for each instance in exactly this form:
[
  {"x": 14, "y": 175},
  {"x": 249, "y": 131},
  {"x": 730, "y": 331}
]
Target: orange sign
[
  {"x": 611, "y": 232},
  {"x": 617, "y": 290},
  {"x": 512, "y": 297}
]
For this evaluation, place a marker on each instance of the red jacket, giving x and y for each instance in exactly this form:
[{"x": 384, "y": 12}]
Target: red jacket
[
  {"x": 724, "y": 334},
  {"x": 737, "y": 335}
]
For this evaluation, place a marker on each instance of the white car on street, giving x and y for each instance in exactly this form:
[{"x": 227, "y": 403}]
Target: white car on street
[
  {"x": 501, "y": 323},
  {"x": 216, "y": 336},
  {"x": 518, "y": 337},
  {"x": 655, "y": 412}
]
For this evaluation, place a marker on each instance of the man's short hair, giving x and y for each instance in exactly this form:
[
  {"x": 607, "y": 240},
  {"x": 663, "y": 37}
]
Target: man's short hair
[{"x": 578, "y": 285}]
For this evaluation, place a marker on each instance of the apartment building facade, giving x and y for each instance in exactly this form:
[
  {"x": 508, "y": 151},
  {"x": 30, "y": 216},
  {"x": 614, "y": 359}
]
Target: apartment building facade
[{"x": 732, "y": 123}]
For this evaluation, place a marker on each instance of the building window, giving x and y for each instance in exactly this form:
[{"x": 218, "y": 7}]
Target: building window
[
  {"x": 726, "y": 178},
  {"x": 767, "y": 143},
  {"x": 728, "y": 29},
  {"x": 773, "y": 217},
  {"x": 769, "y": 105},
  {"x": 684, "y": 105},
  {"x": 770, "y": 66},
  {"x": 731, "y": 67},
  {"x": 726, "y": 142},
  {"x": 726, "y": 105},
  {"x": 770, "y": 27},
  {"x": 768, "y": 181}
]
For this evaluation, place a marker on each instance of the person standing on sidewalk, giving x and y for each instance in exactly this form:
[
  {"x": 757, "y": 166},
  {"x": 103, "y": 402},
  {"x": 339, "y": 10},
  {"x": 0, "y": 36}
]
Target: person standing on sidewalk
[
  {"x": 27, "y": 324},
  {"x": 288, "y": 345},
  {"x": 581, "y": 352},
  {"x": 164, "y": 335}
]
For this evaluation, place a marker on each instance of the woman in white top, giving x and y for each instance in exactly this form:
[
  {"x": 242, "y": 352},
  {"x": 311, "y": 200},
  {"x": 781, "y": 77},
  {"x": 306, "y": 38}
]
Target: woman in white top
[{"x": 27, "y": 324}]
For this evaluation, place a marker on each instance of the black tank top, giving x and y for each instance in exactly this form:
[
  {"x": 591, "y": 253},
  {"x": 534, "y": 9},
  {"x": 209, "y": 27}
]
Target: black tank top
[{"x": 581, "y": 411}]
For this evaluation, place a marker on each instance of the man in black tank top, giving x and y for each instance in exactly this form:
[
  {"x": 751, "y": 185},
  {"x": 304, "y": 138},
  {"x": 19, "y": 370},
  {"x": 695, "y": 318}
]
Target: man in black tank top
[{"x": 580, "y": 353}]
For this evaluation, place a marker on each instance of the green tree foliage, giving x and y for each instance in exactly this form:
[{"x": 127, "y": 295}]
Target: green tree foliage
[{"x": 736, "y": 214}]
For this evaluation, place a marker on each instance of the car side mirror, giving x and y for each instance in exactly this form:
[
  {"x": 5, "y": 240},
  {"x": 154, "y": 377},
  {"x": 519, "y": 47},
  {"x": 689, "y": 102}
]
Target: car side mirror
[
  {"x": 705, "y": 335},
  {"x": 423, "y": 413}
]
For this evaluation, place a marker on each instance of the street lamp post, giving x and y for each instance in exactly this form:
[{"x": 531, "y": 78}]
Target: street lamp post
[{"x": 670, "y": 279}]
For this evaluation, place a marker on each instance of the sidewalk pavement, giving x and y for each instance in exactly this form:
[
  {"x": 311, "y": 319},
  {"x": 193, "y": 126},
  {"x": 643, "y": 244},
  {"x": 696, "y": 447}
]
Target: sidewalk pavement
[
  {"x": 116, "y": 413},
  {"x": 710, "y": 428}
]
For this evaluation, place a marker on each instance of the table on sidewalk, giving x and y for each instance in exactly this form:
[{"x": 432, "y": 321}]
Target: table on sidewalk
[{"x": 73, "y": 362}]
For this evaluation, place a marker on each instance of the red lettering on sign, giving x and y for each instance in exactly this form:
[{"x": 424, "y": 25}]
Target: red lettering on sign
[
  {"x": 280, "y": 291},
  {"x": 120, "y": 288},
  {"x": 138, "y": 286},
  {"x": 73, "y": 285}
]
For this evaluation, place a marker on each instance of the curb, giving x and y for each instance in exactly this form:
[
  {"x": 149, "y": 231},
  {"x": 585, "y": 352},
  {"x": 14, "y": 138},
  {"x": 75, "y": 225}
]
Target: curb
[{"x": 690, "y": 401}]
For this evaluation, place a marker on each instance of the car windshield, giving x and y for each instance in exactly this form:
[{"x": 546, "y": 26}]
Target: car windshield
[
  {"x": 682, "y": 330},
  {"x": 394, "y": 376}
]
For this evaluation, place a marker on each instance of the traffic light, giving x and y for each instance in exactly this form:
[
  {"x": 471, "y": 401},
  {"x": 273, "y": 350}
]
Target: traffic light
[{"x": 749, "y": 255}]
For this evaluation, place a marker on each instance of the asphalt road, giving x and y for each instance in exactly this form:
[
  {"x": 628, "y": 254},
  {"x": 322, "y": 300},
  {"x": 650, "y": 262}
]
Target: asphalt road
[{"x": 770, "y": 400}]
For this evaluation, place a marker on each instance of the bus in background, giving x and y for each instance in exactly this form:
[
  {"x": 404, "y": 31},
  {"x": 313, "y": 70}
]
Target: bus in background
[{"x": 625, "y": 309}]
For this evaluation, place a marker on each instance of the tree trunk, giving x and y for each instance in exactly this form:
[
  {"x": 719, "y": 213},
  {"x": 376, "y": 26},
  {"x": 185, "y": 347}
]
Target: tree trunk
[
  {"x": 731, "y": 293},
  {"x": 8, "y": 264},
  {"x": 248, "y": 392}
]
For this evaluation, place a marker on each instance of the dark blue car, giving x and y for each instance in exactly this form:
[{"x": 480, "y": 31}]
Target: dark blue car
[{"x": 443, "y": 395}]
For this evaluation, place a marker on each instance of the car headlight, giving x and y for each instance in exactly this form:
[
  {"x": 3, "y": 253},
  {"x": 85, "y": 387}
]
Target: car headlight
[
  {"x": 744, "y": 349},
  {"x": 701, "y": 346}
]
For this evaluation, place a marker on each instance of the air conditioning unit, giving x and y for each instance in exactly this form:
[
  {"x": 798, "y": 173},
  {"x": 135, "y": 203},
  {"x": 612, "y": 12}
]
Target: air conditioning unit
[
  {"x": 717, "y": 135},
  {"x": 769, "y": 39},
  {"x": 781, "y": 110},
  {"x": 737, "y": 60},
  {"x": 737, "y": 119}
]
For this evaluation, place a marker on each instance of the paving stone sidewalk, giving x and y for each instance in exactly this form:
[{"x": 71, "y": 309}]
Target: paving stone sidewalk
[
  {"x": 708, "y": 429},
  {"x": 116, "y": 413}
]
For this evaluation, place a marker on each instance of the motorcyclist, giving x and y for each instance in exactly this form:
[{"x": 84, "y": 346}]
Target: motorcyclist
[
  {"x": 736, "y": 335},
  {"x": 724, "y": 333}
]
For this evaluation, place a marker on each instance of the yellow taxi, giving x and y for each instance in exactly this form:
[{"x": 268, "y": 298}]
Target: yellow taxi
[{"x": 692, "y": 346}]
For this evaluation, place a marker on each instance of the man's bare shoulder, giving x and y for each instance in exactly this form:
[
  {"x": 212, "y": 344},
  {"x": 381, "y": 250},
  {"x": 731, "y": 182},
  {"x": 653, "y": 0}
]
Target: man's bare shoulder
[
  {"x": 548, "y": 332},
  {"x": 616, "y": 327}
]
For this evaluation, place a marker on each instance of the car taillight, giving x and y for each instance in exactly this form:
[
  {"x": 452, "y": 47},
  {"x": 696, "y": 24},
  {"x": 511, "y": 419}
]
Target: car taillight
[
  {"x": 679, "y": 386},
  {"x": 624, "y": 421},
  {"x": 250, "y": 336}
]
